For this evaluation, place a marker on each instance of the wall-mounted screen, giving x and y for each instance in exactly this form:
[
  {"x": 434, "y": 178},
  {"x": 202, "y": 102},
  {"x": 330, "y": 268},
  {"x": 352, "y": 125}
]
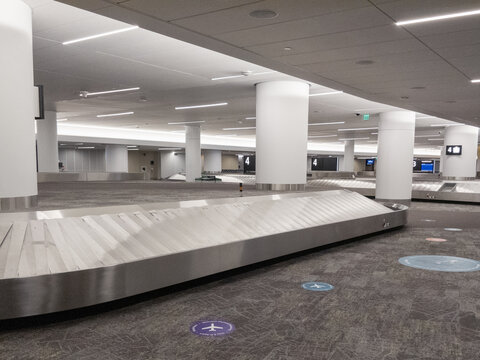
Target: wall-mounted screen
[
  {"x": 39, "y": 102},
  {"x": 427, "y": 166},
  {"x": 453, "y": 150},
  {"x": 423, "y": 166},
  {"x": 369, "y": 162},
  {"x": 248, "y": 163},
  {"x": 324, "y": 164}
]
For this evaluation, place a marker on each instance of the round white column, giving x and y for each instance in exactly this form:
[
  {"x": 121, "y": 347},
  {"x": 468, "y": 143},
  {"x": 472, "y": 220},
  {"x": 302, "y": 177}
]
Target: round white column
[
  {"x": 282, "y": 130},
  {"x": 18, "y": 175},
  {"x": 47, "y": 143},
  {"x": 460, "y": 167},
  {"x": 193, "y": 156},
  {"x": 348, "y": 155},
  {"x": 116, "y": 158},
  {"x": 396, "y": 135},
  {"x": 213, "y": 161}
]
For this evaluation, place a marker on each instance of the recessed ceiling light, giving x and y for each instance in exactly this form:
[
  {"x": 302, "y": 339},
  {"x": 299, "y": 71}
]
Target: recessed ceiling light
[
  {"x": 263, "y": 14},
  {"x": 100, "y": 35},
  {"x": 435, "y": 139},
  {"x": 132, "y": 149},
  {"x": 64, "y": 119},
  {"x": 359, "y": 129},
  {"x": 132, "y": 146},
  {"x": 117, "y": 114},
  {"x": 475, "y": 81},
  {"x": 86, "y": 147},
  {"x": 86, "y": 93},
  {"x": 327, "y": 93},
  {"x": 251, "y": 118},
  {"x": 426, "y": 136},
  {"x": 374, "y": 133},
  {"x": 364, "y": 62},
  {"x": 440, "y": 17},
  {"x": 200, "y": 106},
  {"x": 328, "y": 123},
  {"x": 227, "y": 77},
  {"x": 186, "y": 122},
  {"x": 439, "y": 125},
  {"x": 240, "y": 128},
  {"x": 287, "y": 48},
  {"x": 365, "y": 138}
]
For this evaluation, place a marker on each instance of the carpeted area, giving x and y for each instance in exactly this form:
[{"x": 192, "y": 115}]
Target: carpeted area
[{"x": 378, "y": 310}]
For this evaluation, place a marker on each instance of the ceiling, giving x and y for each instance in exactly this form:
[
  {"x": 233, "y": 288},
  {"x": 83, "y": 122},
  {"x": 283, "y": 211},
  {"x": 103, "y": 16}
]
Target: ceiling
[{"x": 326, "y": 39}]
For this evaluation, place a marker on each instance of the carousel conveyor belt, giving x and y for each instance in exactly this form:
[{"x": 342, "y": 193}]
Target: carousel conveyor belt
[
  {"x": 58, "y": 260},
  {"x": 457, "y": 191}
]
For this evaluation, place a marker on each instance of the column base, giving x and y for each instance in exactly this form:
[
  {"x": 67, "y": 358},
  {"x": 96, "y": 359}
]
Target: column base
[
  {"x": 457, "y": 178},
  {"x": 281, "y": 187},
  {"x": 18, "y": 203},
  {"x": 406, "y": 202}
]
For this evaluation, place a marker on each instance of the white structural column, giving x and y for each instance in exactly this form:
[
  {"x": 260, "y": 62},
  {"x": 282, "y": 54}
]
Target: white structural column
[
  {"x": 116, "y": 158},
  {"x": 460, "y": 166},
  {"x": 348, "y": 155},
  {"x": 47, "y": 143},
  {"x": 213, "y": 161},
  {"x": 282, "y": 130},
  {"x": 18, "y": 176},
  {"x": 396, "y": 135},
  {"x": 193, "y": 156}
]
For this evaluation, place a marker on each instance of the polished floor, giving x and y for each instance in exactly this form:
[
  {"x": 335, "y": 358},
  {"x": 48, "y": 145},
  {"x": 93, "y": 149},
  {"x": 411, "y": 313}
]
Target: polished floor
[{"x": 378, "y": 310}]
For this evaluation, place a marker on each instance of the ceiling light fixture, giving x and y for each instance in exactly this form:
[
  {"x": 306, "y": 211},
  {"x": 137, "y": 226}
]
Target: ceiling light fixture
[
  {"x": 435, "y": 139},
  {"x": 475, "y": 81},
  {"x": 240, "y": 128},
  {"x": 186, "y": 122},
  {"x": 251, "y": 118},
  {"x": 322, "y": 136},
  {"x": 327, "y": 123},
  {"x": 359, "y": 129},
  {"x": 117, "y": 114},
  {"x": 132, "y": 146},
  {"x": 64, "y": 119},
  {"x": 86, "y": 147},
  {"x": 100, "y": 35},
  {"x": 365, "y": 138},
  {"x": 438, "y": 125},
  {"x": 327, "y": 93},
  {"x": 133, "y": 149},
  {"x": 169, "y": 149},
  {"x": 426, "y": 136},
  {"x": 227, "y": 77},
  {"x": 86, "y": 93},
  {"x": 200, "y": 106},
  {"x": 440, "y": 17}
]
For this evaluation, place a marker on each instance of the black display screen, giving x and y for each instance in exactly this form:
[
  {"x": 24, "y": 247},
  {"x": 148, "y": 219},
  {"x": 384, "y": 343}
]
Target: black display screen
[
  {"x": 248, "y": 163},
  {"x": 425, "y": 166},
  {"x": 453, "y": 150},
  {"x": 369, "y": 162},
  {"x": 324, "y": 164}
]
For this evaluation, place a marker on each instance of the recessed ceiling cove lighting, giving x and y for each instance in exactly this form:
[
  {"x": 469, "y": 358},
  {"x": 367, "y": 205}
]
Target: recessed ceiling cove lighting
[
  {"x": 426, "y": 136},
  {"x": 117, "y": 114},
  {"x": 440, "y": 17},
  {"x": 100, "y": 35},
  {"x": 86, "y": 93},
  {"x": 186, "y": 122},
  {"x": 240, "y": 128},
  {"x": 263, "y": 14},
  {"x": 327, "y": 93},
  {"x": 86, "y": 147},
  {"x": 227, "y": 77},
  {"x": 435, "y": 139},
  {"x": 132, "y": 146},
  {"x": 199, "y": 106},
  {"x": 64, "y": 119},
  {"x": 251, "y": 118},
  {"x": 328, "y": 123},
  {"x": 475, "y": 81}
]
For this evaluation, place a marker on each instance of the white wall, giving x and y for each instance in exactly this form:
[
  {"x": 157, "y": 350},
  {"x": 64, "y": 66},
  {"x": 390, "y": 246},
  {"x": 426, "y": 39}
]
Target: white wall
[
  {"x": 89, "y": 160},
  {"x": 171, "y": 163}
]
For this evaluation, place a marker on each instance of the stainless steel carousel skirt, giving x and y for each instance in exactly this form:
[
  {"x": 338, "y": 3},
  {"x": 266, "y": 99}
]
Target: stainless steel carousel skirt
[
  {"x": 18, "y": 203},
  {"x": 59, "y": 260}
]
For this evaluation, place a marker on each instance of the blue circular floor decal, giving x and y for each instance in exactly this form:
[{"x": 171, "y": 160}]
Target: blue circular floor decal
[
  {"x": 317, "y": 286},
  {"x": 212, "y": 328},
  {"x": 440, "y": 263}
]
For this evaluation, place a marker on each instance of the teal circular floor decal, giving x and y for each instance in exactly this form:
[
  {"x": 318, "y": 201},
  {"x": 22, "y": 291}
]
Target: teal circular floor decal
[
  {"x": 440, "y": 263},
  {"x": 317, "y": 286}
]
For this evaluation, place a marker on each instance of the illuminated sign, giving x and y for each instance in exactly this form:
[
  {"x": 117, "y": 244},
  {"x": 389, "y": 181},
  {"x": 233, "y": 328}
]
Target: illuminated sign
[{"x": 453, "y": 150}]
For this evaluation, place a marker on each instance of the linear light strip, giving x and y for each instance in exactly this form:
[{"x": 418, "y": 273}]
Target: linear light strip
[
  {"x": 475, "y": 81},
  {"x": 251, "y": 118},
  {"x": 117, "y": 114},
  {"x": 240, "y": 128},
  {"x": 111, "y": 91},
  {"x": 327, "y": 123},
  {"x": 186, "y": 122},
  {"x": 200, "y": 106},
  {"x": 64, "y": 119},
  {"x": 321, "y": 136},
  {"x": 100, "y": 35},
  {"x": 425, "y": 136},
  {"x": 359, "y": 129},
  {"x": 440, "y": 17},
  {"x": 435, "y": 139},
  {"x": 227, "y": 77},
  {"x": 327, "y": 93}
]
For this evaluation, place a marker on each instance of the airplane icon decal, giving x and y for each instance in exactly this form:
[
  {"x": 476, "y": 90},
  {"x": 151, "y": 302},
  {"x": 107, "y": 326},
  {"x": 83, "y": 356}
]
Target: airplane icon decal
[
  {"x": 317, "y": 286},
  {"x": 212, "y": 328}
]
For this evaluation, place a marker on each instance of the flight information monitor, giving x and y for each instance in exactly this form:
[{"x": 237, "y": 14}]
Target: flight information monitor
[
  {"x": 324, "y": 164},
  {"x": 369, "y": 162},
  {"x": 453, "y": 150},
  {"x": 427, "y": 166}
]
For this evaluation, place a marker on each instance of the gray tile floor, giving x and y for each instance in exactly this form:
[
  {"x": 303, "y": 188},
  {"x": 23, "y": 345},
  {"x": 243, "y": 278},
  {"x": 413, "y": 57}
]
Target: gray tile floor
[{"x": 379, "y": 309}]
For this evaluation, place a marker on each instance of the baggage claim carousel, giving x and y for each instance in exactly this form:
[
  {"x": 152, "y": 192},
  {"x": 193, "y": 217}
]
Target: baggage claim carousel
[{"x": 58, "y": 260}]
